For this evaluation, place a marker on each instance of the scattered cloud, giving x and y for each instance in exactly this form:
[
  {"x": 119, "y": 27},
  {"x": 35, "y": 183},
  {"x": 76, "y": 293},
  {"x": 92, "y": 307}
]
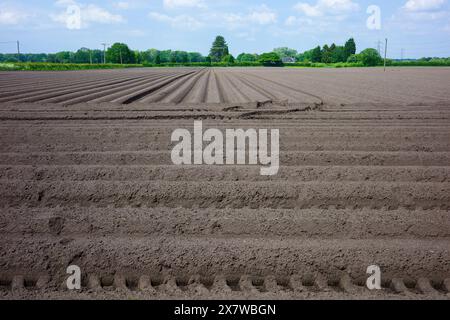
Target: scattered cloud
[
  {"x": 257, "y": 16},
  {"x": 262, "y": 15},
  {"x": 173, "y": 4},
  {"x": 423, "y": 5},
  {"x": 125, "y": 5},
  {"x": 293, "y": 21},
  {"x": 78, "y": 16},
  {"x": 180, "y": 21},
  {"x": 122, "y": 5},
  {"x": 327, "y": 8},
  {"x": 12, "y": 16},
  {"x": 416, "y": 11}
]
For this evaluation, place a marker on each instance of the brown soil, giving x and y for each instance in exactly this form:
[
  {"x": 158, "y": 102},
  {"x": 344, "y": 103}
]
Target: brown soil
[{"x": 86, "y": 179}]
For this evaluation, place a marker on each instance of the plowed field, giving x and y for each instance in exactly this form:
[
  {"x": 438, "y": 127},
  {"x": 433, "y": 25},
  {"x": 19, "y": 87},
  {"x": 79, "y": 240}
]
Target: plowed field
[{"x": 86, "y": 179}]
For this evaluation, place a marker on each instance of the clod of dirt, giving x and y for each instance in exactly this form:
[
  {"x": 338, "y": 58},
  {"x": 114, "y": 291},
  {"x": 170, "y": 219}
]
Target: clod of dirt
[{"x": 56, "y": 225}]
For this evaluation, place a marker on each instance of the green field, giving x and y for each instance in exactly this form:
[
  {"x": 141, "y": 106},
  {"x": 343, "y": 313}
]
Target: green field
[{"x": 42, "y": 66}]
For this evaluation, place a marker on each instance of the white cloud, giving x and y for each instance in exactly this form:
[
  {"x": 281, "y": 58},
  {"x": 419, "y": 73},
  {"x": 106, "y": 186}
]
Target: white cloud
[
  {"x": 11, "y": 16},
  {"x": 309, "y": 10},
  {"x": 181, "y": 21},
  {"x": 261, "y": 15},
  {"x": 416, "y": 12},
  {"x": 171, "y": 4},
  {"x": 131, "y": 4},
  {"x": 423, "y": 5},
  {"x": 123, "y": 5},
  {"x": 255, "y": 17},
  {"x": 327, "y": 7},
  {"x": 293, "y": 21},
  {"x": 290, "y": 21},
  {"x": 77, "y": 16}
]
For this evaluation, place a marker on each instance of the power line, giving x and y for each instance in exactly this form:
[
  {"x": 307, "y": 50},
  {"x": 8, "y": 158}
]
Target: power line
[
  {"x": 17, "y": 42},
  {"x": 379, "y": 47}
]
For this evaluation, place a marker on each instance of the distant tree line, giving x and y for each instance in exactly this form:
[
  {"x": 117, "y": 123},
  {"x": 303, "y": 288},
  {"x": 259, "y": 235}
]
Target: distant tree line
[
  {"x": 118, "y": 53},
  {"x": 219, "y": 55}
]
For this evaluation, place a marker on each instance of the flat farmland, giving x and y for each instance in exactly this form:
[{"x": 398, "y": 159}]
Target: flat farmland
[{"x": 86, "y": 179}]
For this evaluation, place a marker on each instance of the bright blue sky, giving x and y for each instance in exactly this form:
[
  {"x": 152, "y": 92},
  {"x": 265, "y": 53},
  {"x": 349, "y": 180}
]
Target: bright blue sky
[{"x": 420, "y": 27}]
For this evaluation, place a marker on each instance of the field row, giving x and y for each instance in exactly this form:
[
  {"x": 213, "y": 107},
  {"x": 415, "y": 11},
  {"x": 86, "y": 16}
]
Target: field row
[
  {"x": 233, "y": 85},
  {"x": 223, "y": 173},
  {"x": 263, "y": 194},
  {"x": 236, "y": 223}
]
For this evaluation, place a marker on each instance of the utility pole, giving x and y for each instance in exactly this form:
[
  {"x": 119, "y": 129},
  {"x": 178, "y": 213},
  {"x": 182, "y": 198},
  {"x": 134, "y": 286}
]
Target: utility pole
[
  {"x": 90, "y": 55},
  {"x": 379, "y": 47},
  {"x": 385, "y": 54},
  {"x": 120, "y": 52},
  {"x": 104, "y": 52},
  {"x": 18, "y": 50}
]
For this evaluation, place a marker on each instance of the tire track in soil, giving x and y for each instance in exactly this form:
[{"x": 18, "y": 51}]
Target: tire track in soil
[
  {"x": 321, "y": 102},
  {"x": 52, "y": 93},
  {"x": 161, "y": 85}
]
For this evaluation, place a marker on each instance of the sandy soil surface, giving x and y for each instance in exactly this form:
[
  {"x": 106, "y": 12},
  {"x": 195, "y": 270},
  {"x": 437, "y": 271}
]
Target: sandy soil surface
[{"x": 86, "y": 178}]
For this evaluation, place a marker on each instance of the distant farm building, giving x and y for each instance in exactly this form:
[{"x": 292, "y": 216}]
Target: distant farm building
[{"x": 289, "y": 60}]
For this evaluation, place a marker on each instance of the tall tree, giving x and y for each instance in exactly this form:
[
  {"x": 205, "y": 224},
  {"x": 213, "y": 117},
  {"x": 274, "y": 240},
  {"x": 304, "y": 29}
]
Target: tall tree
[
  {"x": 219, "y": 49},
  {"x": 158, "y": 58},
  {"x": 82, "y": 56},
  {"x": 316, "y": 54},
  {"x": 326, "y": 54},
  {"x": 338, "y": 54},
  {"x": 350, "y": 48},
  {"x": 120, "y": 53}
]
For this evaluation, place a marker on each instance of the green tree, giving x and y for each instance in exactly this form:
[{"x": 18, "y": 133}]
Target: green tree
[
  {"x": 219, "y": 49},
  {"x": 158, "y": 58},
  {"x": 120, "y": 53},
  {"x": 370, "y": 57},
  {"x": 270, "y": 59},
  {"x": 326, "y": 54},
  {"x": 173, "y": 57},
  {"x": 285, "y": 52},
  {"x": 306, "y": 56},
  {"x": 149, "y": 56},
  {"x": 165, "y": 56},
  {"x": 338, "y": 54},
  {"x": 228, "y": 59},
  {"x": 353, "y": 58},
  {"x": 64, "y": 57},
  {"x": 182, "y": 57},
  {"x": 247, "y": 57},
  {"x": 316, "y": 54},
  {"x": 195, "y": 57},
  {"x": 97, "y": 56},
  {"x": 350, "y": 48},
  {"x": 82, "y": 56}
]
